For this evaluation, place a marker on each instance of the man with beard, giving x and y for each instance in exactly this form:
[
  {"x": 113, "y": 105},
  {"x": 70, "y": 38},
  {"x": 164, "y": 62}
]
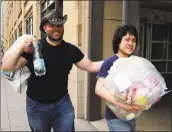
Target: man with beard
[{"x": 48, "y": 103}]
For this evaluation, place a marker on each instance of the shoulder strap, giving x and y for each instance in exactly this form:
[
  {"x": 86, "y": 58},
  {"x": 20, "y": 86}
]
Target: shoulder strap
[{"x": 41, "y": 43}]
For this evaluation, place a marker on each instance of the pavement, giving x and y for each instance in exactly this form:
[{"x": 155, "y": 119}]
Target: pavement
[{"x": 13, "y": 115}]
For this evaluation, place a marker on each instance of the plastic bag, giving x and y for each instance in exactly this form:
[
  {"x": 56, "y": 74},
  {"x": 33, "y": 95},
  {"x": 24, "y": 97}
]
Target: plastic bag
[
  {"x": 134, "y": 80},
  {"x": 17, "y": 79}
]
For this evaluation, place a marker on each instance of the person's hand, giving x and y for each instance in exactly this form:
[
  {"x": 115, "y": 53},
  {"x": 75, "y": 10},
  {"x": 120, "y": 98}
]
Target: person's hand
[
  {"x": 24, "y": 41},
  {"x": 131, "y": 108}
]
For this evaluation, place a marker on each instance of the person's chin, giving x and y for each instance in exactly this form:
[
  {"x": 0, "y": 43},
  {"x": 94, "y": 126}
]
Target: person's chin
[
  {"x": 129, "y": 52},
  {"x": 56, "y": 38}
]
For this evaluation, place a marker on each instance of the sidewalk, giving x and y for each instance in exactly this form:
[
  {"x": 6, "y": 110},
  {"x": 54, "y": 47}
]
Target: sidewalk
[{"x": 13, "y": 115}]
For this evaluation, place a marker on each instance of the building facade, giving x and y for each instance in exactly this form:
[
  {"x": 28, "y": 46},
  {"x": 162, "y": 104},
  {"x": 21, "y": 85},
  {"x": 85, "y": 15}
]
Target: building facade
[
  {"x": 2, "y": 31},
  {"x": 23, "y": 17},
  {"x": 90, "y": 26}
]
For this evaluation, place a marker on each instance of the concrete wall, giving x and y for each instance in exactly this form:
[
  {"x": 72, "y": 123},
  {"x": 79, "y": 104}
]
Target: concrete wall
[
  {"x": 2, "y": 19},
  {"x": 76, "y": 32},
  {"x": 164, "y": 16},
  {"x": 112, "y": 20},
  {"x": 131, "y": 16},
  {"x": 2, "y": 29},
  {"x": 17, "y": 13},
  {"x": 131, "y": 13},
  {"x": 112, "y": 10},
  {"x": 84, "y": 21}
]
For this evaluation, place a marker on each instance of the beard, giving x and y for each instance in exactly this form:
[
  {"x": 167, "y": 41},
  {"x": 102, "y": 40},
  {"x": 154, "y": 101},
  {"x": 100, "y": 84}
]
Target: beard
[{"x": 55, "y": 39}]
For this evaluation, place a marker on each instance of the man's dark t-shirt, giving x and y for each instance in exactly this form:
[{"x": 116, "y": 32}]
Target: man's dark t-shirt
[
  {"x": 103, "y": 73},
  {"x": 59, "y": 59}
]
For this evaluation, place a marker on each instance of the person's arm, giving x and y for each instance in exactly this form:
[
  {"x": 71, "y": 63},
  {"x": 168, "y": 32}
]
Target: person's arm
[
  {"x": 12, "y": 59},
  {"x": 87, "y": 65},
  {"x": 83, "y": 62},
  {"x": 104, "y": 94}
]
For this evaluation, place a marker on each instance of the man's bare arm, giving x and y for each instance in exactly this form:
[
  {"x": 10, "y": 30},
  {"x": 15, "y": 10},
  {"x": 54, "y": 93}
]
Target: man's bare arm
[
  {"x": 21, "y": 62},
  {"x": 12, "y": 59},
  {"x": 87, "y": 65}
]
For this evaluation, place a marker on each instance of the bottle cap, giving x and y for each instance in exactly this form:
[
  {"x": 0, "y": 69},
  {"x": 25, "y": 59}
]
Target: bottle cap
[{"x": 34, "y": 36}]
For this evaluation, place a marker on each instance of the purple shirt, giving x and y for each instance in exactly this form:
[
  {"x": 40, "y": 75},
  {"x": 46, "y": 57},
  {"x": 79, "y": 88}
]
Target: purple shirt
[{"x": 103, "y": 73}]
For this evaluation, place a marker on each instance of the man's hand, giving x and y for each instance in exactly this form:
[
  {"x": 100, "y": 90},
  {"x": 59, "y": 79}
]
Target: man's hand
[
  {"x": 24, "y": 41},
  {"x": 12, "y": 59}
]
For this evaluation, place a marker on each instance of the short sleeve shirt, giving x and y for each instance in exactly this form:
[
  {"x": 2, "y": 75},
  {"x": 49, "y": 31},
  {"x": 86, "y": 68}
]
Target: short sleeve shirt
[
  {"x": 59, "y": 60},
  {"x": 103, "y": 73}
]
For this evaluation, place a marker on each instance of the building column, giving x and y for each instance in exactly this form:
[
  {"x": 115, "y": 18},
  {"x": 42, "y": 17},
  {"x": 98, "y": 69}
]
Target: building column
[
  {"x": 131, "y": 16},
  {"x": 36, "y": 18},
  {"x": 131, "y": 13},
  {"x": 95, "y": 46},
  {"x": 23, "y": 20}
]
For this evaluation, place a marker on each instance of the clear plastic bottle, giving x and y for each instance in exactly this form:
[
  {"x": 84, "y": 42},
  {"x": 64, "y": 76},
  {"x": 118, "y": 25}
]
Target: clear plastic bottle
[{"x": 38, "y": 61}]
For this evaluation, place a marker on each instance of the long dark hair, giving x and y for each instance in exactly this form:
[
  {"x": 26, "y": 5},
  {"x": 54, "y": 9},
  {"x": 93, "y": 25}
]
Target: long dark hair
[{"x": 120, "y": 32}]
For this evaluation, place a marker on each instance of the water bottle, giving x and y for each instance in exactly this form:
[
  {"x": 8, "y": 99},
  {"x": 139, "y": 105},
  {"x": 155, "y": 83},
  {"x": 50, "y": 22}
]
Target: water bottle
[{"x": 38, "y": 61}]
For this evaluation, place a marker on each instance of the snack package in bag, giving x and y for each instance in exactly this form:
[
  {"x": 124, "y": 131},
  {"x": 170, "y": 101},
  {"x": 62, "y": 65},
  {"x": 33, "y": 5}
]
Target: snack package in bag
[{"x": 134, "y": 80}]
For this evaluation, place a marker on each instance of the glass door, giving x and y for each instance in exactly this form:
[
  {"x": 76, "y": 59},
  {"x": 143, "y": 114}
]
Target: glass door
[{"x": 159, "y": 45}]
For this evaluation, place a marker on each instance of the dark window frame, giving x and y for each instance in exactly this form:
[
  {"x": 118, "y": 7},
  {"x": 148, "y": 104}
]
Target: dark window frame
[
  {"x": 29, "y": 25},
  {"x": 20, "y": 29},
  {"x": 159, "y": 62}
]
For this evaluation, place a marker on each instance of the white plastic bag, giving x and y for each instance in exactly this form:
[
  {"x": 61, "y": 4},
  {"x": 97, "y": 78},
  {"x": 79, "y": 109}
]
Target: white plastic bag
[
  {"x": 134, "y": 80},
  {"x": 18, "y": 80}
]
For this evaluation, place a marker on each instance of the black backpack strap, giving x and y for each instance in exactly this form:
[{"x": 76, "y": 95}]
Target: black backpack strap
[{"x": 41, "y": 44}]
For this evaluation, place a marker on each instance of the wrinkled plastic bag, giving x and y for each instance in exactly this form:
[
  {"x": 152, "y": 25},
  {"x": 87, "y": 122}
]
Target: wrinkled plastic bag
[
  {"x": 134, "y": 80},
  {"x": 17, "y": 79},
  {"x": 20, "y": 40}
]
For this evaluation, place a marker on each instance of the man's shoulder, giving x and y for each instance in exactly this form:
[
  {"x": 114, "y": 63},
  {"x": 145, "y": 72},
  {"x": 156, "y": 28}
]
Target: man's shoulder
[{"x": 69, "y": 44}]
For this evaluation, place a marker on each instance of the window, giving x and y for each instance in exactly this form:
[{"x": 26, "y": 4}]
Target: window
[
  {"x": 29, "y": 25},
  {"x": 2, "y": 48},
  {"x": 160, "y": 47},
  {"x": 20, "y": 29},
  {"x": 12, "y": 39},
  {"x": 15, "y": 35},
  {"x": 47, "y": 4}
]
